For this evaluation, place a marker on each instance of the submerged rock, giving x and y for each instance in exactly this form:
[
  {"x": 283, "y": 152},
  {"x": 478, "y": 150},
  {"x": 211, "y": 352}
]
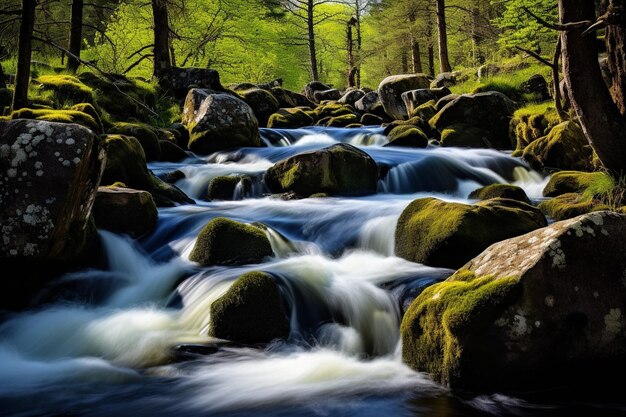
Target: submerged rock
[
  {"x": 391, "y": 88},
  {"x": 250, "y": 312},
  {"x": 340, "y": 169},
  {"x": 226, "y": 242},
  {"x": 218, "y": 121},
  {"x": 125, "y": 210},
  {"x": 542, "y": 311},
  {"x": 445, "y": 234}
]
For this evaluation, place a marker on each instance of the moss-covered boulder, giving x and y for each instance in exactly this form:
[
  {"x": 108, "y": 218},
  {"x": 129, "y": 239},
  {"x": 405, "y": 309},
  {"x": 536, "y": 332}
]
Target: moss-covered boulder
[
  {"x": 536, "y": 87},
  {"x": 566, "y": 206},
  {"x": 509, "y": 191},
  {"x": 565, "y": 147},
  {"x": 531, "y": 313},
  {"x": 126, "y": 163},
  {"x": 366, "y": 103},
  {"x": 145, "y": 134},
  {"x": 340, "y": 121},
  {"x": 226, "y": 187},
  {"x": 333, "y": 110},
  {"x": 218, "y": 121},
  {"x": 531, "y": 123},
  {"x": 89, "y": 109},
  {"x": 290, "y": 119},
  {"x": 425, "y": 111},
  {"x": 340, "y": 169},
  {"x": 446, "y": 234},
  {"x": 288, "y": 99},
  {"x": 415, "y": 98},
  {"x": 50, "y": 174},
  {"x": 178, "y": 81},
  {"x": 312, "y": 87},
  {"x": 391, "y": 88},
  {"x": 125, "y": 210},
  {"x": 250, "y": 312},
  {"x": 327, "y": 95},
  {"x": 462, "y": 135},
  {"x": 226, "y": 242},
  {"x": 351, "y": 97},
  {"x": 490, "y": 111},
  {"x": 407, "y": 136},
  {"x": 563, "y": 182},
  {"x": 171, "y": 152},
  {"x": 65, "y": 89},
  {"x": 369, "y": 119},
  {"x": 262, "y": 102},
  {"x": 58, "y": 116}
]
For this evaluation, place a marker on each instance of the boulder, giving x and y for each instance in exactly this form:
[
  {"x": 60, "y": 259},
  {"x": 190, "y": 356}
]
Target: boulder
[
  {"x": 171, "y": 152},
  {"x": 180, "y": 80},
  {"x": 565, "y": 147},
  {"x": 262, "y": 102},
  {"x": 563, "y": 182},
  {"x": 90, "y": 110},
  {"x": 532, "y": 313},
  {"x": 324, "y": 95},
  {"x": 250, "y": 312},
  {"x": 509, "y": 191},
  {"x": 145, "y": 134},
  {"x": 391, "y": 88},
  {"x": 340, "y": 121},
  {"x": 490, "y": 111},
  {"x": 312, "y": 87},
  {"x": 218, "y": 121},
  {"x": 125, "y": 210},
  {"x": 333, "y": 110},
  {"x": 531, "y": 123},
  {"x": 566, "y": 206},
  {"x": 537, "y": 86},
  {"x": 446, "y": 234},
  {"x": 367, "y": 102},
  {"x": 50, "y": 174},
  {"x": 225, "y": 187},
  {"x": 407, "y": 136},
  {"x": 415, "y": 98},
  {"x": 58, "y": 116},
  {"x": 340, "y": 169},
  {"x": 226, "y": 242},
  {"x": 287, "y": 98},
  {"x": 462, "y": 135},
  {"x": 290, "y": 119},
  {"x": 445, "y": 79},
  {"x": 369, "y": 119},
  {"x": 351, "y": 97},
  {"x": 66, "y": 90}
]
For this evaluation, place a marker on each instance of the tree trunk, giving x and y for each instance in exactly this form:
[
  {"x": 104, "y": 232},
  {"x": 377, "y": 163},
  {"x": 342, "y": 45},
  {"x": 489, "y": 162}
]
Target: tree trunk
[
  {"x": 359, "y": 42},
  {"x": 444, "y": 62},
  {"x": 3, "y": 83},
  {"x": 600, "y": 118},
  {"x": 311, "y": 28},
  {"x": 76, "y": 34},
  {"x": 616, "y": 51},
  {"x": 350, "y": 42},
  {"x": 25, "y": 49},
  {"x": 161, "y": 48},
  {"x": 429, "y": 36},
  {"x": 415, "y": 55},
  {"x": 405, "y": 61}
]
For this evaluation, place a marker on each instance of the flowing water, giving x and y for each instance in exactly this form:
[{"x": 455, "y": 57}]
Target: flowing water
[{"x": 132, "y": 340}]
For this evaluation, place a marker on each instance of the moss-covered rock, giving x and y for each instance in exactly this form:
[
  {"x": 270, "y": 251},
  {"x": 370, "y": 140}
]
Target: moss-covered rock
[
  {"x": 407, "y": 136},
  {"x": 219, "y": 121},
  {"x": 333, "y": 110},
  {"x": 525, "y": 315},
  {"x": 369, "y": 119},
  {"x": 262, "y": 102},
  {"x": 250, "y": 312},
  {"x": 289, "y": 99},
  {"x": 565, "y": 147},
  {"x": 65, "y": 89},
  {"x": 509, "y": 191},
  {"x": 124, "y": 210},
  {"x": 340, "y": 169},
  {"x": 446, "y": 234},
  {"x": 171, "y": 152},
  {"x": 390, "y": 92},
  {"x": 126, "y": 163},
  {"x": 563, "y": 182},
  {"x": 290, "y": 119},
  {"x": 145, "y": 134},
  {"x": 312, "y": 87},
  {"x": 224, "y": 187},
  {"x": 531, "y": 123},
  {"x": 342, "y": 121},
  {"x": 89, "y": 109},
  {"x": 366, "y": 103},
  {"x": 463, "y": 135},
  {"x": 566, "y": 206},
  {"x": 416, "y": 98},
  {"x": 351, "y": 97},
  {"x": 58, "y": 116},
  {"x": 226, "y": 242},
  {"x": 424, "y": 111},
  {"x": 327, "y": 95}
]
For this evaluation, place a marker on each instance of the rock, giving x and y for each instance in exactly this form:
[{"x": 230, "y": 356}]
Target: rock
[
  {"x": 566, "y": 206},
  {"x": 126, "y": 163},
  {"x": 275, "y": 83},
  {"x": 490, "y": 111},
  {"x": 340, "y": 121},
  {"x": 441, "y": 103},
  {"x": 331, "y": 94},
  {"x": 6, "y": 98},
  {"x": 250, "y": 312},
  {"x": 340, "y": 169},
  {"x": 289, "y": 99},
  {"x": 181, "y": 133},
  {"x": 565, "y": 147},
  {"x": 90, "y": 110},
  {"x": 509, "y": 191},
  {"x": 50, "y": 174},
  {"x": 576, "y": 182},
  {"x": 537, "y": 86},
  {"x": 333, "y": 110},
  {"x": 66, "y": 90},
  {"x": 391, "y": 88},
  {"x": 312, "y": 87},
  {"x": 445, "y": 79},
  {"x": 529, "y": 124},
  {"x": 415, "y": 98},
  {"x": 462, "y": 135},
  {"x": 226, "y": 242},
  {"x": 369, "y": 119},
  {"x": 58, "y": 116},
  {"x": 180, "y": 80},
  {"x": 488, "y": 70},
  {"x": 367, "y": 102},
  {"x": 407, "y": 136},
  {"x": 171, "y": 152},
  {"x": 145, "y": 134},
  {"x": 290, "y": 119},
  {"x": 351, "y": 97},
  {"x": 125, "y": 210},
  {"x": 262, "y": 102},
  {"x": 225, "y": 187},
  {"x": 445, "y": 234},
  {"x": 242, "y": 86},
  {"x": 173, "y": 177},
  {"x": 218, "y": 121},
  {"x": 532, "y": 313}
]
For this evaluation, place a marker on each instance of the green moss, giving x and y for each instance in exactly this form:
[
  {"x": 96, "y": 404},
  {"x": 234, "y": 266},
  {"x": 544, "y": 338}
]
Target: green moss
[
  {"x": 508, "y": 89},
  {"x": 333, "y": 110},
  {"x": 464, "y": 136},
  {"x": 89, "y": 109},
  {"x": 145, "y": 134},
  {"x": 446, "y": 234},
  {"x": 262, "y": 102},
  {"x": 289, "y": 119},
  {"x": 250, "y": 312},
  {"x": 500, "y": 191},
  {"x": 569, "y": 205},
  {"x": 532, "y": 122},
  {"x": 407, "y": 136},
  {"x": 589, "y": 183},
  {"x": 59, "y": 116},
  {"x": 425, "y": 111},
  {"x": 447, "y": 317},
  {"x": 226, "y": 242},
  {"x": 342, "y": 121},
  {"x": 66, "y": 89}
]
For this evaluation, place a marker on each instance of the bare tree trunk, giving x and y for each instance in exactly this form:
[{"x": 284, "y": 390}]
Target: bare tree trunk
[
  {"x": 25, "y": 49},
  {"x": 616, "y": 50},
  {"x": 311, "y": 39},
  {"x": 359, "y": 43},
  {"x": 405, "y": 61},
  {"x": 444, "y": 62},
  {"x": 600, "y": 118},
  {"x": 161, "y": 46},
  {"x": 429, "y": 36},
  {"x": 76, "y": 35},
  {"x": 350, "y": 42},
  {"x": 415, "y": 55}
]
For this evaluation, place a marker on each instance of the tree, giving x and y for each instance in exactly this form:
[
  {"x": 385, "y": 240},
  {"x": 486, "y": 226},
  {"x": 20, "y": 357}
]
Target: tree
[
  {"x": 616, "y": 50},
  {"x": 25, "y": 48},
  {"x": 600, "y": 118},
  {"x": 442, "y": 31},
  {"x": 76, "y": 35},
  {"x": 161, "y": 46}
]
